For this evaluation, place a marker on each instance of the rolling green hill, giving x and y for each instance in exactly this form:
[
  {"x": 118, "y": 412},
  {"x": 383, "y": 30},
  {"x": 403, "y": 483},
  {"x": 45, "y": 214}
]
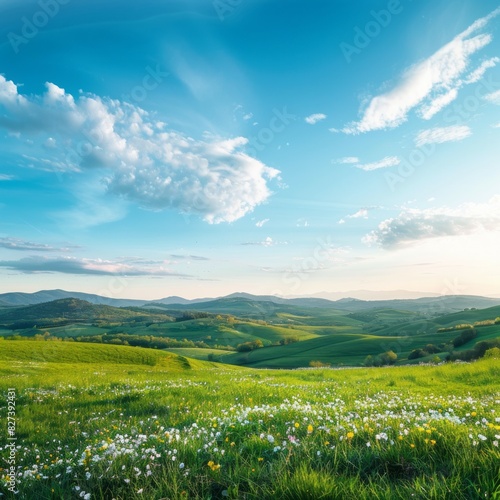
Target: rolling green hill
[
  {"x": 265, "y": 334},
  {"x": 66, "y": 311},
  {"x": 66, "y": 352}
]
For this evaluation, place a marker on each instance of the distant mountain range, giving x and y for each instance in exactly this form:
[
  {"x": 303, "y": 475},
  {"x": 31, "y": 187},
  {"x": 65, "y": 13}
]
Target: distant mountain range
[{"x": 236, "y": 301}]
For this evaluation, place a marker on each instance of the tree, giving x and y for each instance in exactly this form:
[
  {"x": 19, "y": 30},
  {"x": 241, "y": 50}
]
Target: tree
[{"x": 388, "y": 358}]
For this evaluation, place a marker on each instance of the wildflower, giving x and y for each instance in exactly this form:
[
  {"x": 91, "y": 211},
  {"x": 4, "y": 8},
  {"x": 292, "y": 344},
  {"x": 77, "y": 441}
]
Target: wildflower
[
  {"x": 350, "y": 435},
  {"x": 412, "y": 445},
  {"x": 309, "y": 429},
  {"x": 481, "y": 437},
  {"x": 473, "y": 414},
  {"x": 433, "y": 442},
  {"x": 260, "y": 459},
  {"x": 296, "y": 425}
]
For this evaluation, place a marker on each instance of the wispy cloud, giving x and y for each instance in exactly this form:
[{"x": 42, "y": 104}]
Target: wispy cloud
[
  {"x": 267, "y": 242},
  {"x": 79, "y": 266},
  {"x": 361, "y": 213},
  {"x": 439, "y": 135},
  {"x": 314, "y": 118},
  {"x": 302, "y": 222},
  {"x": 346, "y": 160},
  {"x": 413, "y": 225},
  {"x": 479, "y": 72},
  {"x": 23, "y": 245},
  {"x": 494, "y": 97},
  {"x": 429, "y": 85},
  {"x": 5, "y": 177},
  {"x": 388, "y": 161},
  {"x": 260, "y": 223},
  {"x": 188, "y": 257},
  {"x": 144, "y": 162}
]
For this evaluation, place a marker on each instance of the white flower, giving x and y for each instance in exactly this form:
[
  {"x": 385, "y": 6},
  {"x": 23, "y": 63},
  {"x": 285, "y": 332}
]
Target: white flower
[
  {"x": 481, "y": 437},
  {"x": 270, "y": 438},
  {"x": 181, "y": 465},
  {"x": 140, "y": 491}
]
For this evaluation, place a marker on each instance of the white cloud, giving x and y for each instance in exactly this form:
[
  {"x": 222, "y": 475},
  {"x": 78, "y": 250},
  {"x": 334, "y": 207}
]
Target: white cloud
[
  {"x": 361, "y": 213},
  {"x": 302, "y": 222},
  {"x": 5, "y": 177},
  {"x": 346, "y": 160},
  {"x": 496, "y": 125},
  {"x": 267, "y": 242},
  {"x": 439, "y": 135},
  {"x": 388, "y": 161},
  {"x": 248, "y": 116},
  {"x": 479, "y": 72},
  {"x": 260, "y": 223},
  {"x": 314, "y": 118},
  {"x": 413, "y": 225},
  {"x": 99, "y": 267},
  {"x": 141, "y": 160},
  {"x": 429, "y": 84},
  {"x": 427, "y": 111},
  {"x": 23, "y": 245},
  {"x": 494, "y": 97}
]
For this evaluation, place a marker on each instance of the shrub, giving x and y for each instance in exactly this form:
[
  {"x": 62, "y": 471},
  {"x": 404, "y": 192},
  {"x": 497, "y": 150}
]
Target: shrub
[{"x": 464, "y": 337}]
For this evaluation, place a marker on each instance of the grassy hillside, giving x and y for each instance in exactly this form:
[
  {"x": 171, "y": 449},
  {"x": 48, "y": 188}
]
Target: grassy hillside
[
  {"x": 65, "y": 352},
  {"x": 65, "y": 311},
  {"x": 189, "y": 429}
]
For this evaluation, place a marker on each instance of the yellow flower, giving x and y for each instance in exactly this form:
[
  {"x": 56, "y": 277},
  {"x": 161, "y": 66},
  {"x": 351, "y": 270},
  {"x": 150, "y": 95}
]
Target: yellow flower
[
  {"x": 473, "y": 414},
  {"x": 400, "y": 438},
  {"x": 296, "y": 425},
  {"x": 412, "y": 445},
  {"x": 260, "y": 459},
  {"x": 350, "y": 435},
  {"x": 433, "y": 442},
  {"x": 233, "y": 443},
  {"x": 327, "y": 443},
  {"x": 428, "y": 431},
  {"x": 309, "y": 428}
]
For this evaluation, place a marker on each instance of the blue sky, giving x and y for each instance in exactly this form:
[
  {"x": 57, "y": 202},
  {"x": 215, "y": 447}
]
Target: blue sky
[{"x": 199, "y": 148}]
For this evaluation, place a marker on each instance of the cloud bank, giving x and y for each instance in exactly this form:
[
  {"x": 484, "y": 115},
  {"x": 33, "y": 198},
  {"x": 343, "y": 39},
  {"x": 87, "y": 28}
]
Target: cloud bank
[
  {"x": 413, "y": 225},
  {"x": 94, "y": 267},
  {"x": 141, "y": 160}
]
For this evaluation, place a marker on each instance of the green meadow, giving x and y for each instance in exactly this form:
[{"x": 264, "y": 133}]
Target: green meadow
[{"x": 104, "y": 421}]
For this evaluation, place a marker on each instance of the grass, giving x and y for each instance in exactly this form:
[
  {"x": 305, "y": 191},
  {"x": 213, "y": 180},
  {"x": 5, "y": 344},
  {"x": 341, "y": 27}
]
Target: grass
[
  {"x": 90, "y": 427},
  {"x": 198, "y": 353}
]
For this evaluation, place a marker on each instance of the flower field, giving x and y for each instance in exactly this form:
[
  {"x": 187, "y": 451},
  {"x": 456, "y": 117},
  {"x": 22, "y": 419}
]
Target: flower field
[{"x": 130, "y": 431}]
